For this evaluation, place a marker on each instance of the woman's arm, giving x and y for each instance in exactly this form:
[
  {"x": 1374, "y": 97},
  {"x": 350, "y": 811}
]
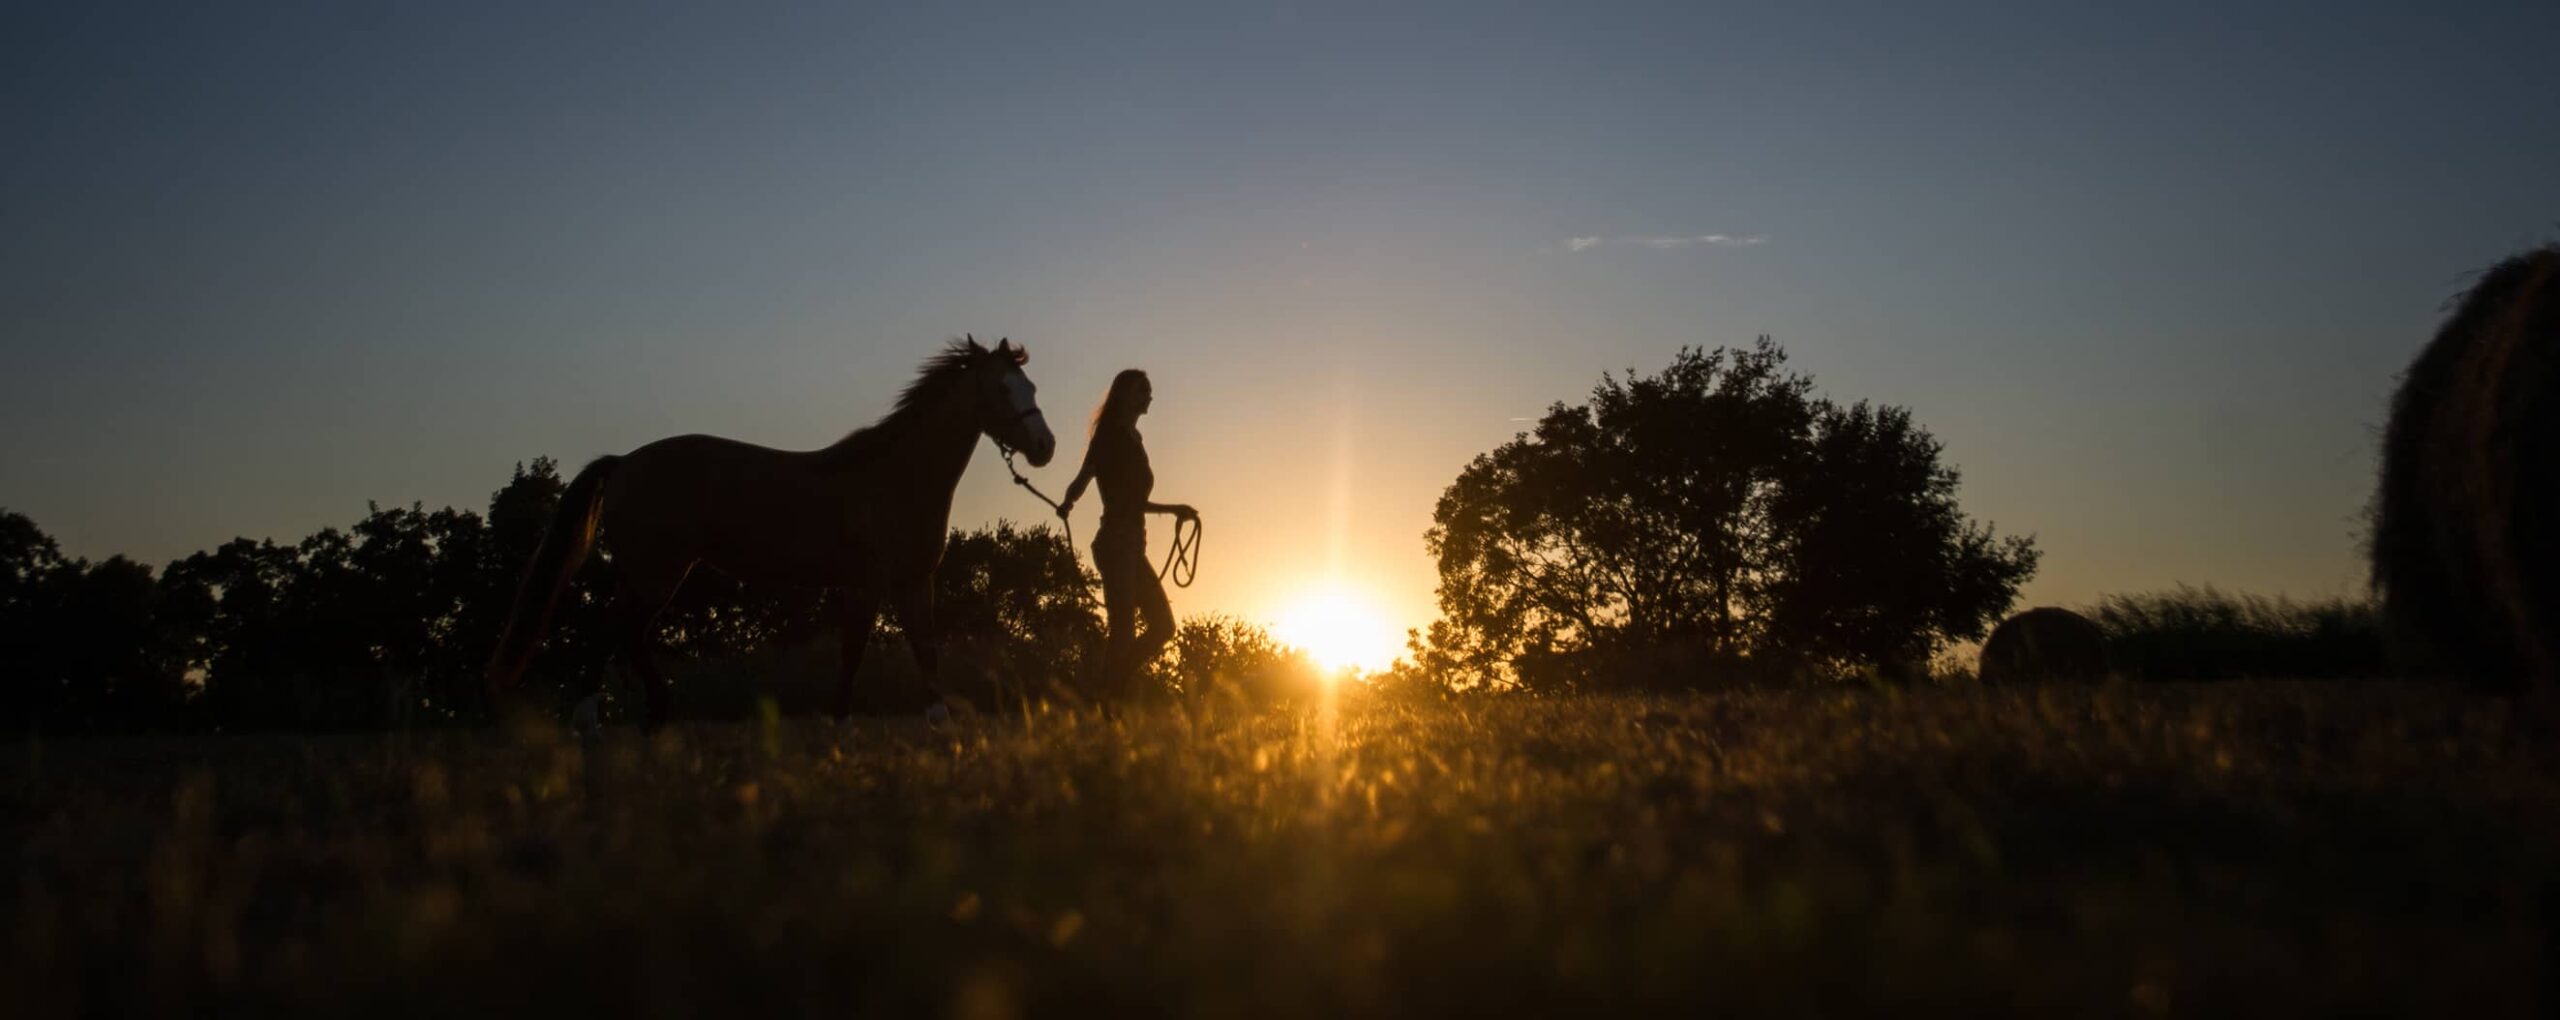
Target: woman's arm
[
  {"x": 1180, "y": 511},
  {"x": 1084, "y": 475}
]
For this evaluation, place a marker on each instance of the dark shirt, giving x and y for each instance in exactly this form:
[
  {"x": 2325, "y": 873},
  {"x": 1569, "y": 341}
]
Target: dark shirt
[{"x": 1117, "y": 460}]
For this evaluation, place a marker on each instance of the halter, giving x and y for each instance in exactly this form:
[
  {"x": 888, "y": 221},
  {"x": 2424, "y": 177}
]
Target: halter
[{"x": 1034, "y": 490}]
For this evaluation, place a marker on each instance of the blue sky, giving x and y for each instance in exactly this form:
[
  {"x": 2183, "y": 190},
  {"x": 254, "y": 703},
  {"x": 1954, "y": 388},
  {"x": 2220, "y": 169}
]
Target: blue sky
[{"x": 2147, "y": 272}]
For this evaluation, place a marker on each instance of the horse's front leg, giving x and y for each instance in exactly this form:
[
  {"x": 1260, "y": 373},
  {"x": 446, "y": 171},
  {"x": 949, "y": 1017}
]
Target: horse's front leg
[
  {"x": 861, "y": 614},
  {"x": 915, "y": 616},
  {"x": 643, "y": 592}
]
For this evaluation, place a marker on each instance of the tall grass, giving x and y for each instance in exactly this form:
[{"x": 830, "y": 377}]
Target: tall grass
[
  {"x": 2256, "y": 848},
  {"x": 2205, "y": 634}
]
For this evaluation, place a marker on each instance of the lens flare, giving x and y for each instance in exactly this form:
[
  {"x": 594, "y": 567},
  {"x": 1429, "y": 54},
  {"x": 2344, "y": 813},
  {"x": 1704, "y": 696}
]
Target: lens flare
[{"x": 1340, "y": 628}]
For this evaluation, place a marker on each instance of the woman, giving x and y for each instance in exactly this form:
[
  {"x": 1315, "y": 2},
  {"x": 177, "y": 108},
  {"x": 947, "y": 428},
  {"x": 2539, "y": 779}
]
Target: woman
[{"x": 1116, "y": 457}]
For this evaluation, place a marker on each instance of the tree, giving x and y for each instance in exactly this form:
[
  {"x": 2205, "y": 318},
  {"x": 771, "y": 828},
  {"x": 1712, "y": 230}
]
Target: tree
[
  {"x": 119, "y": 669},
  {"x": 1718, "y": 508},
  {"x": 1876, "y": 564},
  {"x": 30, "y": 562},
  {"x": 80, "y": 646},
  {"x": 1022, "y": 606},
  {"x": 286, "y": 637},
  {"x": 1220, "y": 656}
]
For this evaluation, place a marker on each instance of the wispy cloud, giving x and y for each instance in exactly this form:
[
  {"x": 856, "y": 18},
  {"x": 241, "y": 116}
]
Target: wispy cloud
[{"x": 1578, "y": 244}]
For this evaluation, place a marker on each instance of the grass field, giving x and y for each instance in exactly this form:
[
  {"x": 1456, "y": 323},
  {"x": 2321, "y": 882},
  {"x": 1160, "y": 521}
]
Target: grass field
[{"x": 2122, "y": 851}]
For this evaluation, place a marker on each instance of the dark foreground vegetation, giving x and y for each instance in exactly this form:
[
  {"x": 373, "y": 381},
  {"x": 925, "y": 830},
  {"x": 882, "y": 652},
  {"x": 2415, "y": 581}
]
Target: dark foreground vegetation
[
  {"x": 2128, "y": 849},
  {"x": 2204, "y": 634}
]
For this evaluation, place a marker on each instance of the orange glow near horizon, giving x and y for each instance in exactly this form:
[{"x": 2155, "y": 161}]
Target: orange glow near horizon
[{"x": 1339, "y": 626}]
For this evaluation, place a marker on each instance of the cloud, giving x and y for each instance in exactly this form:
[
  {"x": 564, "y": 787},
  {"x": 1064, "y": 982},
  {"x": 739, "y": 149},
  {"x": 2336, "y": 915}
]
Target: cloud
[
  {"x": 1577, "y": 244},
  {"x": 1719, "y": 240}
]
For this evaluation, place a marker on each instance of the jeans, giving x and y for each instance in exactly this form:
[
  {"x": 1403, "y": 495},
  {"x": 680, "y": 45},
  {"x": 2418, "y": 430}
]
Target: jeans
[{"x": 1130, "y": 592}]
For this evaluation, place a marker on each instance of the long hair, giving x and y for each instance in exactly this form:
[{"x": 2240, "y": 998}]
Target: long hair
[{"x": 1116, "y": 402}]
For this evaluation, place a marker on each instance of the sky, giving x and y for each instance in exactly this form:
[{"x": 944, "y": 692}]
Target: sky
[{"x": 2148, "y": 272}]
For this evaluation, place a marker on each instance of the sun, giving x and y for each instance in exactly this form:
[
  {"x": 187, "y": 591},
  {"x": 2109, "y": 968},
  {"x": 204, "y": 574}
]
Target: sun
[{"x": 1340, "y": 628}]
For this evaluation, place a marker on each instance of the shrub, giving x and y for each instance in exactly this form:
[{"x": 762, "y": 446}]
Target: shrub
[{"x": 2204, "y": 634}]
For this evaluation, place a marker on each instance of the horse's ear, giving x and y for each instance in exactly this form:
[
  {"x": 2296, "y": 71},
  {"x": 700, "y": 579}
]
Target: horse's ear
[{"x": 973, "y": 343}]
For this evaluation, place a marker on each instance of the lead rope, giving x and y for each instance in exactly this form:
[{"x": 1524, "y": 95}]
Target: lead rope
[
  {"x": 1182, "y": 561},
  {"x": 1063, "y": 523}
]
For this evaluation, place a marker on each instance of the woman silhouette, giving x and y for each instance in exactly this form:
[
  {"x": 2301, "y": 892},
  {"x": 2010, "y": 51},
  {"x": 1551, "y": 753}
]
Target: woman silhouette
[{"x": 1116, "y": 457}]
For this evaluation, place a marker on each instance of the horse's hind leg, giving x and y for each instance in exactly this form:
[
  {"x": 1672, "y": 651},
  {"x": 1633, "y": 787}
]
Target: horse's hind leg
[
  {"x": 642, "y": 593},
  {"x": 915, "y": 617}
]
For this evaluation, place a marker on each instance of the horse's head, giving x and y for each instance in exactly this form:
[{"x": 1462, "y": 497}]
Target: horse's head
[{"x": 1007, "y": 410}]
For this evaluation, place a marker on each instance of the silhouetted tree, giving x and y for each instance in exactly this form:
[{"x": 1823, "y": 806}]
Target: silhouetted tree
[
  {"x": 29, "y": 562},
  {"x": 80, "y": 644},
  {"x": 286, "y": 634},
  {"x": 1222, "y": 658},
  {"x": 120, "y": 670},
  {"x": 26, "y": 554},
  {"x": 1874, "y": 563},
  {"x": 1024, "y": 606},
  {"x": 1717, "y": 508},
  {"x": 231, "y": 606}
]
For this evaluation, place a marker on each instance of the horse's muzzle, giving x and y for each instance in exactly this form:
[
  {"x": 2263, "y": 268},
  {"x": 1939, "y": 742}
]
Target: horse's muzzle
[{"x": 1038, "y": 445}]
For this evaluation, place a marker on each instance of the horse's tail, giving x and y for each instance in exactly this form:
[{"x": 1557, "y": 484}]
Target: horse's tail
[{"x": 564, "y": 547}]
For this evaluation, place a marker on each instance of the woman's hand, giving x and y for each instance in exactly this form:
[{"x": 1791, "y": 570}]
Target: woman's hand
[{"x": 1183, "y": 512}]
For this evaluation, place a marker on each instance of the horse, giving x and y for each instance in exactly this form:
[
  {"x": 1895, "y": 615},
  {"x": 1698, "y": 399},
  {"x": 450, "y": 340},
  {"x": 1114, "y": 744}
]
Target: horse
[{"x": 868, "y": 514}]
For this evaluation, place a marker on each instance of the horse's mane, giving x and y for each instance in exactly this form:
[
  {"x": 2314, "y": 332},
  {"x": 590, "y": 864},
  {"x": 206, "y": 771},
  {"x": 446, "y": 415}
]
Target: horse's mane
[{"x": 937, "y": 373}]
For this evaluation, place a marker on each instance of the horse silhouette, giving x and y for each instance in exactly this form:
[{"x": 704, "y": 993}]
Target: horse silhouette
[{"x": 868, "y": 514}]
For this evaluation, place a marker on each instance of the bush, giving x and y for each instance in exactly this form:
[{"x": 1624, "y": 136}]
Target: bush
[
  {"x": 2204, "y": 634},
  {"x": 1219, "y": 658}
]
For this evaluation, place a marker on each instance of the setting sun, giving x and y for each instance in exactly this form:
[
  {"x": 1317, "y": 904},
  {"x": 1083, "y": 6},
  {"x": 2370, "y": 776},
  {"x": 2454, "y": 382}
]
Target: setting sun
[{"x": 1340, "y": 628}]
